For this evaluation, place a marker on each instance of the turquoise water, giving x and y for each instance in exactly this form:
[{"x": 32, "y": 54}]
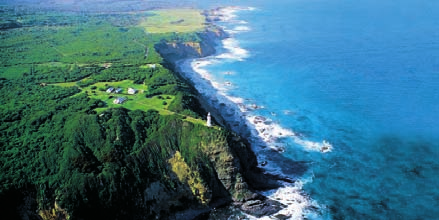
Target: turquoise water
[{"x": 362, "y": 75}]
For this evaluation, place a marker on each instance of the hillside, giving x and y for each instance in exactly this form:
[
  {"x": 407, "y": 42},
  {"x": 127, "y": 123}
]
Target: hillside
[{"x": 70, "y": 151}]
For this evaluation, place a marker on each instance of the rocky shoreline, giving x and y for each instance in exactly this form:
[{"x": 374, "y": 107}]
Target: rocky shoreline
[{"x": 253, "y": 177}]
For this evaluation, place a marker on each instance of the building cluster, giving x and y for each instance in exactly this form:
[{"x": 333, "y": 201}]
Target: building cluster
[{"x": 120, "y": 100}]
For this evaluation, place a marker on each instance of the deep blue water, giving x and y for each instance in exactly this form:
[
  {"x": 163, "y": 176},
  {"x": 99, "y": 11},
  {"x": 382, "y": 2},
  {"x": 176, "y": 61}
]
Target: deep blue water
[{"x": 363, "y": 75}]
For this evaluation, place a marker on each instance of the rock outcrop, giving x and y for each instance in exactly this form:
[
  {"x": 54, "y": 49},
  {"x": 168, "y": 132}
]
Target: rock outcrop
[{"x": 177, "y": 50}]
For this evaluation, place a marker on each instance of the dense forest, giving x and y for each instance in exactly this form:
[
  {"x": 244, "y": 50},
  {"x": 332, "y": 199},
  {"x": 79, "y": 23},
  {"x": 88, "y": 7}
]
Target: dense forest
[{"x": 65, "y": 149}]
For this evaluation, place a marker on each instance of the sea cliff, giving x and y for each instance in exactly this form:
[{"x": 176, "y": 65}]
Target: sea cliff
[
  {"x": 69, "y": 152},
  {"x": 235, "y": 163},
  {"x": 204, "y": 46}
]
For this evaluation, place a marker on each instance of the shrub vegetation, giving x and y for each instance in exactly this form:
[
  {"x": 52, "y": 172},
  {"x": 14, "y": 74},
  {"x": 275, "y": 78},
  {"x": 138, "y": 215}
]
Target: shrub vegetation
[{"x": 63, "y": 139}]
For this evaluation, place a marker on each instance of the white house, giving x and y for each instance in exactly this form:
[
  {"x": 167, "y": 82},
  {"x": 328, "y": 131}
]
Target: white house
[
  {"x": 132, "y": 91},
  {"x": 118, "y": 90},
  {"x": 119, "y": 100},
  {"x": 109, "y": 90}
]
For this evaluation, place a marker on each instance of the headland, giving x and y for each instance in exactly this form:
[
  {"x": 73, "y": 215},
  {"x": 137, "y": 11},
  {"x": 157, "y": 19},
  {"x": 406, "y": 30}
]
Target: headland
[{"x": 97, "y": 123}]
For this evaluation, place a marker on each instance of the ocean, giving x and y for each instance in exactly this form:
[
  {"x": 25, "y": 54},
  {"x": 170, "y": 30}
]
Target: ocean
[{"x": 341, "y": 96}]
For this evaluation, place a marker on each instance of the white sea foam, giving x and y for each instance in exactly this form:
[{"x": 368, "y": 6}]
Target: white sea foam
[
  {"x": 228, "y": 14},
  {"x": 292, "y": 196},
  {"x": 323, "y": 146},
  {"x": 239, "y": 29},
  {"x": 271, "y": 132},
  {"x": 298, "y": 204},
  {"x": 234, "y": 52},
  {"x": 198, "y": 67},
  {"x": 268, "y": 131},
  {"x": 236, "y": 100}
]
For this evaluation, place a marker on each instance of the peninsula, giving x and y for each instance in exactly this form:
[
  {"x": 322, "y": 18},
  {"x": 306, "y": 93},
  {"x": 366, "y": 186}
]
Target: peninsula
[{"x": 97, "y": 124}]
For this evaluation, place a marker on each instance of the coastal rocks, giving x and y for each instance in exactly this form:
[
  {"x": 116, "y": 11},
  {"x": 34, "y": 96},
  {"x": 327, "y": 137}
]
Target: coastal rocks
[
  {"x": 259, "y": 119},
  {"x": 251, "y": 172},
  {"x": 262, "y": 207}
]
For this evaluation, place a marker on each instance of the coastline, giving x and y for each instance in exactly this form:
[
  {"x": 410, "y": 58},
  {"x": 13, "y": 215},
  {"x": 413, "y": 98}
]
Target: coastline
[
  {"x": 185, "y": 58},
  {"x": 231, "y": 113},
  {"x": 263, "y": 135}
]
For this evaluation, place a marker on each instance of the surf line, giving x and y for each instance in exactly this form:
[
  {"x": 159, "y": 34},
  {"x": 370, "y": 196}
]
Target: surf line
[{"x": 239, "y": 115}]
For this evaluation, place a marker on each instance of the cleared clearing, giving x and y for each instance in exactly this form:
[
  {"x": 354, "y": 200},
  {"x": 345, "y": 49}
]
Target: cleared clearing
[
  {"x": 137, "y": 101},
  {"x": 173, "y": 20}
]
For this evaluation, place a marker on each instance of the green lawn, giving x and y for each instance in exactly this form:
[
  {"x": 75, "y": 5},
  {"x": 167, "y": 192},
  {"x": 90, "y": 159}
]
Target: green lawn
[
  {"x": 137, "y": 101},
  {"x": 134, "y": 102},
  {"x": 174, "y": 20},
  {"x": 67, "y": 84}
]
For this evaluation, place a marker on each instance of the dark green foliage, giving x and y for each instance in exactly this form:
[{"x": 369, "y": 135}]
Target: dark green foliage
[
  {"x": 57, "y": 145},
  {"x": 121, "y": 72},
  {"x": 187, "y": 104},
  {"x": 69, "y": 73},
  {"x": 53, "y": 143}
]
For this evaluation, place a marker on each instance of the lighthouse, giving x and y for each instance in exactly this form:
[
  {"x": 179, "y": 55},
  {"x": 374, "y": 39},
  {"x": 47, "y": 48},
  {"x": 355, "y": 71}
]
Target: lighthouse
[{"x": 209, "y": 122}]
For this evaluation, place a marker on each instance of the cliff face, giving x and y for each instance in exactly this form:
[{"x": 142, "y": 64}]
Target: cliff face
[
  {"x": 235, "y": 165},
  {"x": 173, "y": 51}
]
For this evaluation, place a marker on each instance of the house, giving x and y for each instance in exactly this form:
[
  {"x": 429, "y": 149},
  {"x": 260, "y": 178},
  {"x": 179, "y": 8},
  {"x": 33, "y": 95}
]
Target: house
[
  {"x": 119, "y": 100},
  {"x": 132, "y": 91},
  {"x": 110, "y": 90},
  {"x": 152, "y": 66},
  {"x": 118, "y": 90}
]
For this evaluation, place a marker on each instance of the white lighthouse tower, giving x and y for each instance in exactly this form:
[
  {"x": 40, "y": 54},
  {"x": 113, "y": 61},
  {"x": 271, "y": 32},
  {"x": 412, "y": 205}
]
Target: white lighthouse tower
[{"x": 209, "y": 120}]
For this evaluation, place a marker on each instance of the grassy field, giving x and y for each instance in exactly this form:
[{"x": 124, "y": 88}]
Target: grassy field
[
  {"x": 137, "y": 101},
  {"x": 133, "y": 102},
  {"x": 174, "y": 20}
]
